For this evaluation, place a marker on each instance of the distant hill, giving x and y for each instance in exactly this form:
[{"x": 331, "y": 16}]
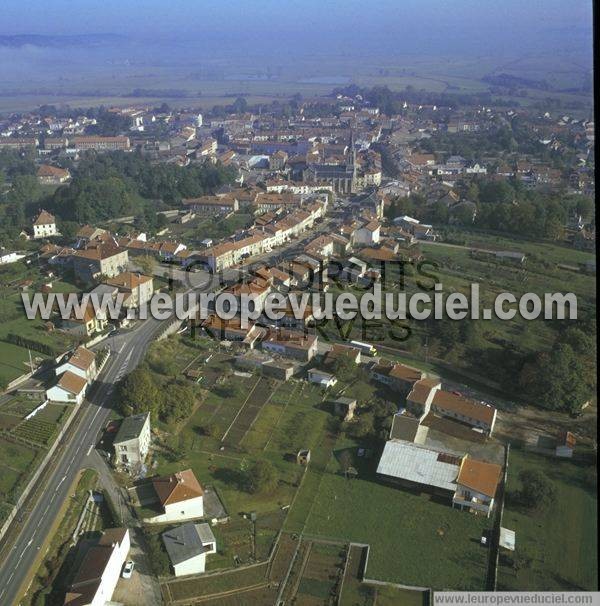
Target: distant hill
[{"x": 42, "y": 41}]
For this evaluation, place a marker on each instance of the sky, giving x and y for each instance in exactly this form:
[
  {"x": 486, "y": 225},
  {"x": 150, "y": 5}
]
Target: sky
[{"x": 419, "y": 25}]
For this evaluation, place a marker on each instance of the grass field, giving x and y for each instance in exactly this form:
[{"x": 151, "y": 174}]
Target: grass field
[
  {"x": 16, "y": 460},
  {"x": 14, "y": 359},
  {"x": 357, "y": 593},
  {"x": 402, "y": 528},
  {"x": 556, "y": 548}
]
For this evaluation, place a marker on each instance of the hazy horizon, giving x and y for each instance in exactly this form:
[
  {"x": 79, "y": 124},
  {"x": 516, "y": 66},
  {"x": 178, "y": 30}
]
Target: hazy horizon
[{"x": 303, "y": 47}]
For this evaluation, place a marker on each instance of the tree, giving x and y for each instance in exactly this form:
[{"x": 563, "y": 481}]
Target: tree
[
  {"x": 177, "y": 402},
  {"x": 147, "y": 264},
  {"x": 560, "y": 379},
  {"x": 537, "y": 491},
  {"x": 496, "y": 192},
  {"x": 137, "y": 392},
  {"x": 262, "y": 477}
]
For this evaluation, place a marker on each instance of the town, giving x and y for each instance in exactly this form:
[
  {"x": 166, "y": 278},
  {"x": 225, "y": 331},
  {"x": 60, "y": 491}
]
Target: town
[{"x": 295, "y": 461}]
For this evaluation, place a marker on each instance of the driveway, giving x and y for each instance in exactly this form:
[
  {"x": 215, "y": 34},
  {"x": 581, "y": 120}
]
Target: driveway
[{"x": 142, "y": 589}]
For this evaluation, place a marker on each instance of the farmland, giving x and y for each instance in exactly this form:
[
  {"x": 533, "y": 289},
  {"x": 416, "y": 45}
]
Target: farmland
[{"x": 287, "y": 417}]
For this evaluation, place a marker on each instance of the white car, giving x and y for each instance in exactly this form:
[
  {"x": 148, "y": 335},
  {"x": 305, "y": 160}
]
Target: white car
[{"x": 128, "y": 569}]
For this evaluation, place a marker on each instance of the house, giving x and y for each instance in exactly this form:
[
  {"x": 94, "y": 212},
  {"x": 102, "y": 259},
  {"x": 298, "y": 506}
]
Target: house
[
  {"x": 180, "y": 496},
  {"x": 100, "y": 569},
  {"x": 87, "y": 233},
  {"x": 476, "y": 486},
  {"x": 212, "y": 204},
  {"x": 9, "y": 257},
  {"x": 44, "y": 225},
  {"x": 565, "y": 444},
  {"x": 69, "y": 388},
  {"x": 100, "y": 143},
  {"x": 81, "y": 362},
  {"x": 231, "y": 330},
  {"x": 137, "y": 288},
  {"x": 251, "y": 295},
  {"x": 292, "y": 344},
  {"x": 99, "y": 258},
  {"x": 321, "y": 378},
  {"x": 91, "y": 322},
  {"x": 398, "y": 376},
  {"x": 420, "y": 397},
  {"x": 132, "y": 441},
  {"x": 368, "y": 233},
  {"x": 52, "y": 175},
  {"x": 478, "y": 416},
  {"x": 187, "y": 546},
  {"x": 345, "y": 407}
]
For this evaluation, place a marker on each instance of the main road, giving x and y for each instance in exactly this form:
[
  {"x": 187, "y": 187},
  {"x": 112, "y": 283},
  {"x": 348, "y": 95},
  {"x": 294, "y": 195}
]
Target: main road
[{"x": 127, "y": 351}]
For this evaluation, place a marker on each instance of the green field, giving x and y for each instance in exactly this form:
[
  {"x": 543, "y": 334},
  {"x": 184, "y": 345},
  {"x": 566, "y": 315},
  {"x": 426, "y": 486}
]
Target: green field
[
  {"x": 556, "y": 548},
  {"x": 16, "y": 461},
  {"x": 403, "y": 529},
  {"x": 14, "y": 361}
]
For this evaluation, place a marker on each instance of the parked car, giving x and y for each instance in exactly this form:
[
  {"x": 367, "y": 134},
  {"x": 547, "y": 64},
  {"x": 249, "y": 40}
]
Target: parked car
[{"x": 128, "y": 569}]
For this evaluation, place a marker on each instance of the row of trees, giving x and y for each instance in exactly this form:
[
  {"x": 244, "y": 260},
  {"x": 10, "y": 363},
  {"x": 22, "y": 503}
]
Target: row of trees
[
  {"x": 503, "y": 206},
  {"x": 107, "y": 186}
]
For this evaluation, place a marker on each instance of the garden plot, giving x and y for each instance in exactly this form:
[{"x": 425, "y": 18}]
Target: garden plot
[{"x": 247, "y": 414}]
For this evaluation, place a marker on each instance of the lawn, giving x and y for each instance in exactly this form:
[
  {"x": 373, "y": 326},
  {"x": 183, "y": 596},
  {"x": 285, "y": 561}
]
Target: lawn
[
  {"x": 14, "y": 361},
  {"x": 556, "y": 548},
  {"x": 403, "y": 529},
  {"x": 16, "y": 460}
]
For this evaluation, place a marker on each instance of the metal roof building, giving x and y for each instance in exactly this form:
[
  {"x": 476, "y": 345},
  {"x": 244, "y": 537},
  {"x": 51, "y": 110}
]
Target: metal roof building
[{"x": 413, "y": 463}]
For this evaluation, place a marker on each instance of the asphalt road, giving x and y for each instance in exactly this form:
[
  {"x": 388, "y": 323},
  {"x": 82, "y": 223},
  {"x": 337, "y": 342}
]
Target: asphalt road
[{"x": 130, "y": 348}]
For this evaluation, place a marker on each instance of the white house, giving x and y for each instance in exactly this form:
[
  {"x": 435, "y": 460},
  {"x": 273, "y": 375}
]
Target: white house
[
  {"x": 368, "y": 234},
  {"x": 82, "y": 363},
  {"x": 321, "y": 378},
  {"x": 188, "y": 546},
  {"x": 69, "y": 388},
  {"x": 100, "y": 569},
  {"x": 132, "y": 441},
  {"x": 476, "y": 486},
  {"x": 180, "y": 496},
  {"x": 9, "y": 257},
  {"x": 44, "y": 225}
]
